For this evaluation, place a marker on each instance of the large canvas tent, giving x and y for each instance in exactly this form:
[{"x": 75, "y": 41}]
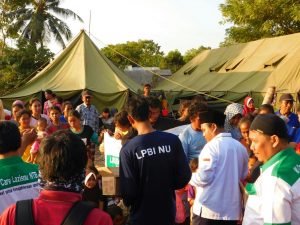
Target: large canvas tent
[
  {"x": 233, "y": 72},
  {"x": 80, "y": 66}
]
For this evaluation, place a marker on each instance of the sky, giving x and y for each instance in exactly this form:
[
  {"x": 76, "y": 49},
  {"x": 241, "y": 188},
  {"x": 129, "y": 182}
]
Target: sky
[{"x": 173, "y": 24}]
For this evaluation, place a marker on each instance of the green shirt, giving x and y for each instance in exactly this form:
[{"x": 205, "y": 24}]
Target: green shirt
[
  {"x": 275, "y": 196},
  {"x": 18, "y": 181}
]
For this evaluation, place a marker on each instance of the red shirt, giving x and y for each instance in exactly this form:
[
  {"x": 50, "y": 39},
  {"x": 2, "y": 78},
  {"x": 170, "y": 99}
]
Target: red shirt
[
  {"x": 51, "y": 207},
  {"x": 63, "y": 126}
]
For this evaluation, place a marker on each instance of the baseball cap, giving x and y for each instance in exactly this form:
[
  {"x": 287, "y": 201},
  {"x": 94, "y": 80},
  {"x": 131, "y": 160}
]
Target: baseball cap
[
  {"x": 86, "y": 93},
  {"x": 286, "y": 97},
  {"x": 270, "y": 124}
]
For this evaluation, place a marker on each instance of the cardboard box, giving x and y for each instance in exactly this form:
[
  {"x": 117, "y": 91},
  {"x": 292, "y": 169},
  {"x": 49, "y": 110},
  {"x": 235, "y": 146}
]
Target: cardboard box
[{"x": 110, "y": 181}]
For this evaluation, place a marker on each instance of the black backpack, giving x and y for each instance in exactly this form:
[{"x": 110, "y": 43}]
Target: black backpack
[{"x": 76, "y": 215}]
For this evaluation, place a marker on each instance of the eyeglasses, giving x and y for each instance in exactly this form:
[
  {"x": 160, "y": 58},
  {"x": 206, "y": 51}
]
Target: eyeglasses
[{"x": 88, "y": 97}]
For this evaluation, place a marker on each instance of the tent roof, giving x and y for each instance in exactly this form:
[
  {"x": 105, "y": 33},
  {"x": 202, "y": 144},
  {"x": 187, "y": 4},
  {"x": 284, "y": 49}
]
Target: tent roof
[
  {"x": 242, "y": 68},
  {"x": 81, "y": 65}
]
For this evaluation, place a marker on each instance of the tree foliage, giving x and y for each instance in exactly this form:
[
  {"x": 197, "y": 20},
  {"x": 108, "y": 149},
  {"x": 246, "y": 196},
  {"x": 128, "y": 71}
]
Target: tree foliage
[
  {"x": 142, "y": 52},
  {"x": 256, "y": 19},
  {"x": 37, "y": 21},
  {"x": 20, "y": 63},
  {"x": 173, "y": 60}
]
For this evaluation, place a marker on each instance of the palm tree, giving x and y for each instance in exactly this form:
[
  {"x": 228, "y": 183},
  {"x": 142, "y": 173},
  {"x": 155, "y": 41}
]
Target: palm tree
[{"x": 37, "y": 21}]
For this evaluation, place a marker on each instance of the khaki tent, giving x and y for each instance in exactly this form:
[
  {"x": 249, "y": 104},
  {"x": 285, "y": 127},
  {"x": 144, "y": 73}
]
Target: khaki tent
[
  {"x": 233, "y": 72},
  {"x": 80, "y": 66}
]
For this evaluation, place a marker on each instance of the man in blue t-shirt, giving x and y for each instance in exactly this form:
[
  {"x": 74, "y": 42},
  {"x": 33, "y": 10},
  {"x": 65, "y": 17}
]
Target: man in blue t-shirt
[
  {"x": 286, "y": 105},
  {"x": 191, "y": 137},
  {"x": 152, "y": 166}
]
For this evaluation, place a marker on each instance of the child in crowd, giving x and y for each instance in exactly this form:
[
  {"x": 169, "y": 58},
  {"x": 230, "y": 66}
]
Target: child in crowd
[
  {"x": 55, "y": 114},
  {"x": 244, "y": 126},
  {"x": 23, "y": 117},
  {"x": 85, "y": 132},
  {"x": 185, "y": 199},
  {"x": 190, "y": 188},
  {"x": 123, "y": 128},
  {"x": 182, "y": 207},
  {"x": 266, "y": 109},
  {"x": 248, "y": 106},
  {"x": 106, "y": 120},
  {"x": 41, "y": 134},
  {"x": 251, "y": 162},
  {"x": 254, "y": 169},
  {"x": 92, "y": 187},
  {"x": 66, "y": 108}
]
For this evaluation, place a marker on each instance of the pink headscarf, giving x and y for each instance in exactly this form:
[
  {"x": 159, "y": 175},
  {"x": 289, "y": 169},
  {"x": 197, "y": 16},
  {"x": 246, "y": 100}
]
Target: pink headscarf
[{"x": 246, "y": 109}]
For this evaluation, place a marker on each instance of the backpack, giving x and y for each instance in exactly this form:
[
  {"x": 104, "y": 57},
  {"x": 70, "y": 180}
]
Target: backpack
[{"x": 76, "y": 215}]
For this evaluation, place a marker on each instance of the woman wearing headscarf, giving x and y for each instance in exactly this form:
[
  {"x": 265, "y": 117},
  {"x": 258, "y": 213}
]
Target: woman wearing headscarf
[
  {"x": 248, "y": 106},
  {"x": 233, "y": 113}
]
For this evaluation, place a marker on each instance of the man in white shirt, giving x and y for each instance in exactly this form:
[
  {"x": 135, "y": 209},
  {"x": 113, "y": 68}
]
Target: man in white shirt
[{"x": 223, "y": 163}]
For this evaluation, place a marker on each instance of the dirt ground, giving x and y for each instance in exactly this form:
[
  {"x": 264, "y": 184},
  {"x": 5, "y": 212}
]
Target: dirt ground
[{"x": 99, "y": 159}]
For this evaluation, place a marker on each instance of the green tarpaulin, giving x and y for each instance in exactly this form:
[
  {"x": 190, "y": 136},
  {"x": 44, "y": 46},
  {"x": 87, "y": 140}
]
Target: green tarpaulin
[
  {"x": 239, "y": 70},
  {"x": 80, "y": 66}
]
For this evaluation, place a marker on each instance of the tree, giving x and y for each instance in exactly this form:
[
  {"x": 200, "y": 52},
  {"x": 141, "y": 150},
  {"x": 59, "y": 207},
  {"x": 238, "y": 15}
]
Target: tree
[
  {"x": 256, "y": 19},
  {"x": 173, "y": 60},
  {"x": 143, "y": 52},
  {"x": 20, "y": 63},
  {"x": 191, "y": 53},
  {"x": 37, "y": 21},
  {"x": 5, "y": 21}
]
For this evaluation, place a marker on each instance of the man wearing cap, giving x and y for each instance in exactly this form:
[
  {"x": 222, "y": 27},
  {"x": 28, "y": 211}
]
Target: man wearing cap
[
  {"x": 286, "y": 105},
  {"x": 275, "y": 196},
  {"x": 89, "y": 113},
  {"x": 223, "y": 163}
]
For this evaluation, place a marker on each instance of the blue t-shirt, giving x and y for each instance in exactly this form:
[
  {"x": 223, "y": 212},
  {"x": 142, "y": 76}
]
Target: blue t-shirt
[
  {"x": 152, "y": 167},
  {"x": 292, "y": 125},
  {"x": 192, "y": 142}
]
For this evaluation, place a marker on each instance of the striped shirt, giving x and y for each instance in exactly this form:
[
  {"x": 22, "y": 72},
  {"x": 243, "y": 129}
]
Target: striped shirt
[{"x": 275, "y": 196}]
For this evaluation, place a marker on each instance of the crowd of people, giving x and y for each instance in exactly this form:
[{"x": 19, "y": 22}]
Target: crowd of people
[{"x": 239, "y": 166}]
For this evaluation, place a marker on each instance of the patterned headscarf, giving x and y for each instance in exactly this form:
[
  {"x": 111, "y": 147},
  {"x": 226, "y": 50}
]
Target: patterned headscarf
[
  {"x": 232, "y": 110},
  {"x": 74, "y": 184}
]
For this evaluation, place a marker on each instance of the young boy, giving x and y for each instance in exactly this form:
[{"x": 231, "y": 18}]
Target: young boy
[{"x": 152, "y": 166}]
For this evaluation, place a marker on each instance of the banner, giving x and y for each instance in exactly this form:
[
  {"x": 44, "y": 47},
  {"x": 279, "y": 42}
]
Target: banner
[{"x": 112, "y": 149}]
